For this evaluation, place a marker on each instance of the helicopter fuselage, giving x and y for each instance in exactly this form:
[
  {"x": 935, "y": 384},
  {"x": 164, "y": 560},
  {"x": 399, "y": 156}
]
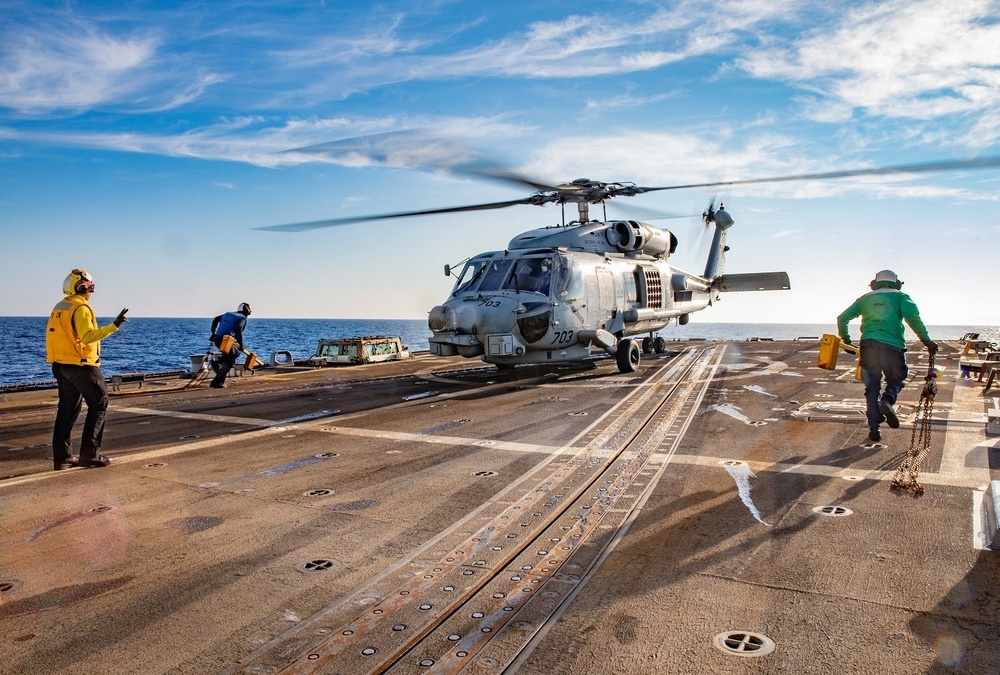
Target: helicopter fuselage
[{"x": 592, "y": 285}]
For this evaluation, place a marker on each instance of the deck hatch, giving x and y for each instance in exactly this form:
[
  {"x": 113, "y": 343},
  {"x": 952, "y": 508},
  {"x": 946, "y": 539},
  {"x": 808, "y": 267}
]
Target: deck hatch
[{"x": 744, "y": 643}]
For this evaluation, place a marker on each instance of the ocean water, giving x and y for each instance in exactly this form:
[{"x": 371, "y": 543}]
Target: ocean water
[{"x": 150, "y": 345}]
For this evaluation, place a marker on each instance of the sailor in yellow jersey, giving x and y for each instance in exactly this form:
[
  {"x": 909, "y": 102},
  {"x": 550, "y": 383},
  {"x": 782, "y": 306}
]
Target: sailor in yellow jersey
[{"x": 73, "y": 347}]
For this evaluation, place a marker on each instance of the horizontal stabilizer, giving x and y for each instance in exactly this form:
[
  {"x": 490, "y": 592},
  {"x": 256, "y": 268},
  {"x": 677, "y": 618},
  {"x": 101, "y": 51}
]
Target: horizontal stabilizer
[{"x": 758, "y": 281}]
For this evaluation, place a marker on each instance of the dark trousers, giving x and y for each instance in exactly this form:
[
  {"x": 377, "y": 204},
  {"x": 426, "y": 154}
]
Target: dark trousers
[
  {"x": 878, "y": 359},
  {"x": 78, "y": 384},
  {"x": 225, "y": 363}
]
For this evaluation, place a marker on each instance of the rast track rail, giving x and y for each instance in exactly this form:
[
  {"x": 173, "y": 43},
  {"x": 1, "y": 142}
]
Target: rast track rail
[{"x": 486, "y": 599}]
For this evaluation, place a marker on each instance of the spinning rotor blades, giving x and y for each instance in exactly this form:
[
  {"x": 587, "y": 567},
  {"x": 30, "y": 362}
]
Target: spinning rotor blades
[
  {"x": 317, "y": 224},
  {"x": 594, "y": 192},
  {"x": 923, "y": 167}
]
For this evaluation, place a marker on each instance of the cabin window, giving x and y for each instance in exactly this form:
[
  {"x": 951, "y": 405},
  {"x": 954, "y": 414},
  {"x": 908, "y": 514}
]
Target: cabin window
[
  {"x": 495, "y": 273},
  {"x": 531, "y": 274},
  {"x": 631, "y": 294},
  {"x": 339, "y": 350},
  {"x": 568, "y": 287},
  {"x": 471, "y": 273},
  {"x": 381, "y": 348}
]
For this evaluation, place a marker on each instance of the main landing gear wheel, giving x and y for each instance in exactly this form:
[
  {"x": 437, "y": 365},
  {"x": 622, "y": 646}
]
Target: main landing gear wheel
[
  {"x": 628, "y": 355},
  {"x": 647, "y": 345},
  {"x": 659, "y": 345}
]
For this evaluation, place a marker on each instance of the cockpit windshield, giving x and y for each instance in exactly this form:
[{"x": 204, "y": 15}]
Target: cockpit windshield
[
  {"x": 495, "y": 274},
  {"x": 470, "y": 275},
  {"x": 539, "y": 274}
]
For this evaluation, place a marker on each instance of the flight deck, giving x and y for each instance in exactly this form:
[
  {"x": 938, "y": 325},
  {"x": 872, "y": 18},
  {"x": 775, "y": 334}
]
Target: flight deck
[{"x": 719, "y": 510}]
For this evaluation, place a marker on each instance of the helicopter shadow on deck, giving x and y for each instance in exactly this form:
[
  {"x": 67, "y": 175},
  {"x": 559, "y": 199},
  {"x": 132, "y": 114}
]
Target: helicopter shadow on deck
[{"x": 533, "y": 375}]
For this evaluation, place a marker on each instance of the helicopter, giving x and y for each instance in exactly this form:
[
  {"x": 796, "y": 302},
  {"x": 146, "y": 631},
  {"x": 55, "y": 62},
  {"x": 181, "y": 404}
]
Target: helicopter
[{"x": 556, "y": 293}]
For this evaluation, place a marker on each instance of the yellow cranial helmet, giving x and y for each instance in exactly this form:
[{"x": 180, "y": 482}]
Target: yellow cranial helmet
[{"x": 78, "y": 281}]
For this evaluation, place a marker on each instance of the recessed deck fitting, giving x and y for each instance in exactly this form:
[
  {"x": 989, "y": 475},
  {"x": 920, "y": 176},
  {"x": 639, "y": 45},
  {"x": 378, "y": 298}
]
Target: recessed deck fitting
[
  {"x": 318, "y": 565},
  {"x": 743, "y": 643},
  {"x": 483, "y": 474},
  {"x": 318, "y": 492},
  {"x": 832, "y": 511},
  {"x": 8, "y": 586}
]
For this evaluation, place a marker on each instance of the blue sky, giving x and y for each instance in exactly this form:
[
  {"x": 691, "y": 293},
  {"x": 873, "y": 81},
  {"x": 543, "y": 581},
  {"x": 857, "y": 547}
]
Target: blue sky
[{"x": 145, "y": 142}]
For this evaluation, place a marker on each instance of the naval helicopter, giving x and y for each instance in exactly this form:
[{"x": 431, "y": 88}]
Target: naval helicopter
[
  {"x": 556, "y": 293},
  {"x": 553, "y": 294}
]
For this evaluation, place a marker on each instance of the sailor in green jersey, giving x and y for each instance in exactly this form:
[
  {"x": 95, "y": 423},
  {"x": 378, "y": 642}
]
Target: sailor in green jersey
[{"x": 882, "y": 345}]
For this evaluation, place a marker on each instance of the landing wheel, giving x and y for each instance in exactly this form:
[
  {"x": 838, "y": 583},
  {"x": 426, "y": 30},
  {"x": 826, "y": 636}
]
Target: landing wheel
[
  {"x": 647, "y": 345},
  {"x": 628, "y": 355},
  {"x": 659, "y": 345}
]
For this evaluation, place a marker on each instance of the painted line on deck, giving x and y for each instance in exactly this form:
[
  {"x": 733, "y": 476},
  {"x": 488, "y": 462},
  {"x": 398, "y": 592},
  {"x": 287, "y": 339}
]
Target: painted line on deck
[
  {"x": 169, "y": 451},
  {"x": 450, "y": 440},
  {"x": 928, "y": 478},
  {"x": 201, "y": 417}
]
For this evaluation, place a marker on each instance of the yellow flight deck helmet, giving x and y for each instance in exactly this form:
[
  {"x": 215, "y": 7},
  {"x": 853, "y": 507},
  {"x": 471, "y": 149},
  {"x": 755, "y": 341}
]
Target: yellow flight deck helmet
[{"x": 78, "y": 281}]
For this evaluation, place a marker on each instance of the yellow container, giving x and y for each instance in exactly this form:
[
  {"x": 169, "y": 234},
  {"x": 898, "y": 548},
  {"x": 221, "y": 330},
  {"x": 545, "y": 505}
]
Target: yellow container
[
  {"x": 226, "y": 344},
  {"x": 829, "y": 348},
  {"x": 251, "y": 361}
]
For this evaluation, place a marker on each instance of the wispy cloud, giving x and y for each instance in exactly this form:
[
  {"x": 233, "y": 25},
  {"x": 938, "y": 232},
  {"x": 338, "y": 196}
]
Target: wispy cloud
[
  {"x": 899, "y": 58},
  {"x": 263, "y": 142},
  {"x": 623, "y": 101},
  {"x": 577, "y": 46},
  {"x": 65, "y": 63}
]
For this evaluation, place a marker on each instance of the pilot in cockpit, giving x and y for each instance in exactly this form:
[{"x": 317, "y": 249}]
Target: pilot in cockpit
[{"x": 532, "y": 274}]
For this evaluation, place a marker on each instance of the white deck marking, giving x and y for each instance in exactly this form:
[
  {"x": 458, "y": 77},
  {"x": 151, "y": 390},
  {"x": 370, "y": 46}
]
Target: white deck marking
[
  {"x": 450, "y": 440},
  {"x": 826, "y": 470},
  {"x": 228, "y": 419}
]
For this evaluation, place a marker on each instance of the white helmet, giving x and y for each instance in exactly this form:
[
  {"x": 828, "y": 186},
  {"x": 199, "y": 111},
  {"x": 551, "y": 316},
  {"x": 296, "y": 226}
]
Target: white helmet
[
  {"x": 78, "y": 281},
  {"x": 886, "y": 278}
]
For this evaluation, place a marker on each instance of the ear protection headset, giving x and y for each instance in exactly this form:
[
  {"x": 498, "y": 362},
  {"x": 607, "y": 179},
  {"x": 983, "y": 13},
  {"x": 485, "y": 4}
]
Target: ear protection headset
[
  {"x": 885, "y": 279},
  {"x": 77, "y": 282}
]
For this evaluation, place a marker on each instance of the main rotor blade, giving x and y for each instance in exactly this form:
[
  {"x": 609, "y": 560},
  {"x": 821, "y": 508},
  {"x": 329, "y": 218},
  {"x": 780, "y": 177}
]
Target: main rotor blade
[
  {"x": 333, "y": 222},
  {"x": 494, "y": 172},
  {"x": 924, "y": 167}
]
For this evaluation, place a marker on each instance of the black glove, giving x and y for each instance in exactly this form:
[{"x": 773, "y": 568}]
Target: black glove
[
  {"x": 120, "y": 319},
  {"x": 932, "y": 347}
]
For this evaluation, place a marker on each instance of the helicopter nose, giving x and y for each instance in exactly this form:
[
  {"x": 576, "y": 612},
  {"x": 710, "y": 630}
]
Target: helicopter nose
[{"x": 441, "y": 318}]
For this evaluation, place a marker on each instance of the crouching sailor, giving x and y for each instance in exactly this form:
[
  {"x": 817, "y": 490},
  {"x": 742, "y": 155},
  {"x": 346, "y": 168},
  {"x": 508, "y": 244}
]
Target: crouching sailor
[
  {"x": 73, "y": 347},
  {"x": 230, "y": 324}
]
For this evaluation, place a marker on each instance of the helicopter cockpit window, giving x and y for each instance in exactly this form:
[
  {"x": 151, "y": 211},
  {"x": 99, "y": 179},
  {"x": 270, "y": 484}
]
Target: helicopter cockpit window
[
  {"x": 495, "y": 273},
  {"x": 568, "y": 286},
  {"x": 531, "y": 274},
  {"x": 471, "y": 274}
]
